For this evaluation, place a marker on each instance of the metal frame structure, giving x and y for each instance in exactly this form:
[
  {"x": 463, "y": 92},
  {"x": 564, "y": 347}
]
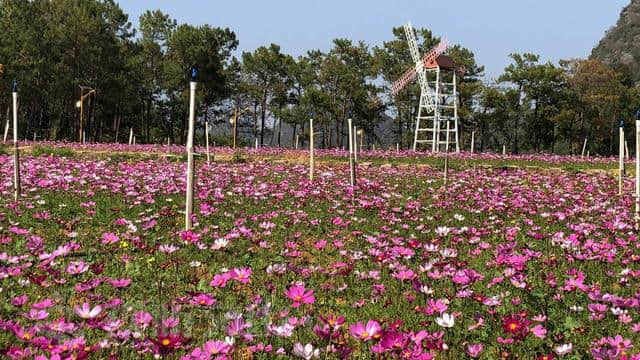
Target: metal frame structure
[{"x": 438, "y": 110}]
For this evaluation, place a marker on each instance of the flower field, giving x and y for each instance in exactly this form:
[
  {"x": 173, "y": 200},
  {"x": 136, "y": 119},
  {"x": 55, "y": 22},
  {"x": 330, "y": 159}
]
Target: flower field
[{"x": 515, "y": 263}]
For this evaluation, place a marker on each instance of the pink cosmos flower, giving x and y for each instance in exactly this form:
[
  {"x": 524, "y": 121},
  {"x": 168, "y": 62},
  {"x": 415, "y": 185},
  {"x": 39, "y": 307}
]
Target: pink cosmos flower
[
  {"x": 110, "y": 238},
  {"x": 77, "y": 267},
  {"x": 143, "y": 319},
  {"x": 216, "y": 347},
  {"x": 474, "y": 350},
  {"x": 203, "y": 300},
  {"x": 365, "y": 332},
  {"x": 241, "y": 274},
  {"x": 44, "y": 304},
  {"x": 35, "y": 315},
  {"x": 539, "y": 331},
  {"x": 120, "y": 283},
  {"x": 220, "y": 280},
  {"x": 86, "y": 312},
  {"x": 300, "y": 295}
]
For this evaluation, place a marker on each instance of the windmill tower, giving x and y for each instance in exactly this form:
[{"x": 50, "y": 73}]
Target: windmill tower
[{"x": 437, "y": 120}]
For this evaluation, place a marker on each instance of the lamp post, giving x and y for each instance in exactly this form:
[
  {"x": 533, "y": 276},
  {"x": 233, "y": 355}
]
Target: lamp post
[
  {"x": 80, "y": 105},
  {"x": 193, "y": 74}
]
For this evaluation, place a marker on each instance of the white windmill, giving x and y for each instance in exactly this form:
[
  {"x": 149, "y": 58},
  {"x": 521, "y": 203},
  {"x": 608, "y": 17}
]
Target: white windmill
[{"x": 438, "y": 110}]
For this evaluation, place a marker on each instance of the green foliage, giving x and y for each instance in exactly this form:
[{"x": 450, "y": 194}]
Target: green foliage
[{"x": 51, "y": 151}]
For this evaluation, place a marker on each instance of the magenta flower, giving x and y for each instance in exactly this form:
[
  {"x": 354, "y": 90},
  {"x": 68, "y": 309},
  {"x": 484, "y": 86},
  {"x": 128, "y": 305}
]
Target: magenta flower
[
  {"x": 77, "y": 267},
  {"x": 474, "y": 350},
  {"x": 539, "y": 331},
  {"x": 216, "y": 347},
  {"x": 241, "y": 275},
  {"x": 300, "y": 295},
  {"x": 365, "y": 332},
  {"x": 110, "y": 238},
  {"x": 203, "y": 300},
  {"x": 143, "y": 319},
  {"x": 35, "y": 315},
  {"x": 86, "y": 312},
  {"x": 120, "y": 283},
  {"x": 220, "y": 280}
]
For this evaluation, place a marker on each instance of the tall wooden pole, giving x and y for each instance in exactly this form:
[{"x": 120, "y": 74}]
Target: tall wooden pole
[
  {"x": 473, "y": 140},
  {"x": 584, "y": 146},
  {"x": 207, "y": 143},
  {"x": 80, "y": 133},
  {"x": 355, "y": 144},
  {"x": 131, "y": 136},
  {"x": 312, "y": 163},
  {"x": 16, "y": 150},
  {"x": 352, "y": 175},
  {"x": 621, "y": 159},
  {"x": 235, "y": 128},
  {"x": 6, "y": 126},
  {"x": 189, "y": 201},
  {"x": 638, "y": 170}
]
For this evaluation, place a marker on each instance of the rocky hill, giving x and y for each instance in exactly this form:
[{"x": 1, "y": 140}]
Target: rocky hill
[{"x": 621, "y": 44}]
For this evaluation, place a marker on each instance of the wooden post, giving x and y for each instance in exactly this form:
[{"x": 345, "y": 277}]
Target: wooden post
[
  {"x": 352, "y": 175},
  {"x": 355, "y": 144},
  {"x": 6, "y": 131},
  {"x": 584, "y": 146},
  {"x": 397, "y": 147},
  {"x": 621, "y": 159},
  {"x": 235, "y": 128},
  {"x": 207, "y": 142},
  {"x": 626, "y": 150},
  {"x": 638, "y": 171},
  {"x": 190, "y": 165},
  {"x": 256, "y": 143},
  {"x": 297, "y": 138},
  {"x": 312, "y": 163},
  {"x": 131, "y": 136},
  {"x": 473, "y": 140},
  {"x": 504, "y": 149},
  {"x": 80, "y": 130},
  {"x": 16, "y": 150}
]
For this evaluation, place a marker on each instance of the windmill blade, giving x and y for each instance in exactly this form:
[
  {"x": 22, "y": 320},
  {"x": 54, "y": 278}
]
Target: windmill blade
[{"x": 410, "y": 74}]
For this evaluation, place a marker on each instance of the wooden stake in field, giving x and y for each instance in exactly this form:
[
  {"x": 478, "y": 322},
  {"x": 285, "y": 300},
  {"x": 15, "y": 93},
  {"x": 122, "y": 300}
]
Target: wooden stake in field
[
  {"x": 297, "y": 138},
  {"x": 352, "y": 168},
  {"x": 355, "y": 144},
  {"x": 190, "y": 164},
  {"x": 584, "y": 146},
  {"x": 473, "y": 140},
  {"x": 131, "y": 136},
  {"x": 626, "y": 150},
  {"x": 638, "y": 170},
  {"x": 16, "y": 150},
  {"x": 6, "y": 126},
  {"x": 504, "y": 149},
  {"x": 397, "y": 147},
  {"x": 206, "y": 135},
  {"x": 621, "y": 158},
  {"x": 312, "y": 163}
]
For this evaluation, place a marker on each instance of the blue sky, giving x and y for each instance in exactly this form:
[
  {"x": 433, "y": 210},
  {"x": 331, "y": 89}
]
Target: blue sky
[{"x": 555, "y": 29}]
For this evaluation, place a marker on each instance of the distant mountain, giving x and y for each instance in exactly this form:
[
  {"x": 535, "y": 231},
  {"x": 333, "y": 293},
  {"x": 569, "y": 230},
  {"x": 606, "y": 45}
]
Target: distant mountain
[{"x": 621, "y": 44}]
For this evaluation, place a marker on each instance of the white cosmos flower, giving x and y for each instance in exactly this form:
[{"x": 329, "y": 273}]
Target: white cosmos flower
[
  {"x": 446, "y": 320},
  {"x": 563, "y": 349}
]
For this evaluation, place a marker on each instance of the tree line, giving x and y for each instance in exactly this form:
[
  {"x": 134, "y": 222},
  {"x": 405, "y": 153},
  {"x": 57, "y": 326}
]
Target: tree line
[{"x": 53, "y": 47}]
